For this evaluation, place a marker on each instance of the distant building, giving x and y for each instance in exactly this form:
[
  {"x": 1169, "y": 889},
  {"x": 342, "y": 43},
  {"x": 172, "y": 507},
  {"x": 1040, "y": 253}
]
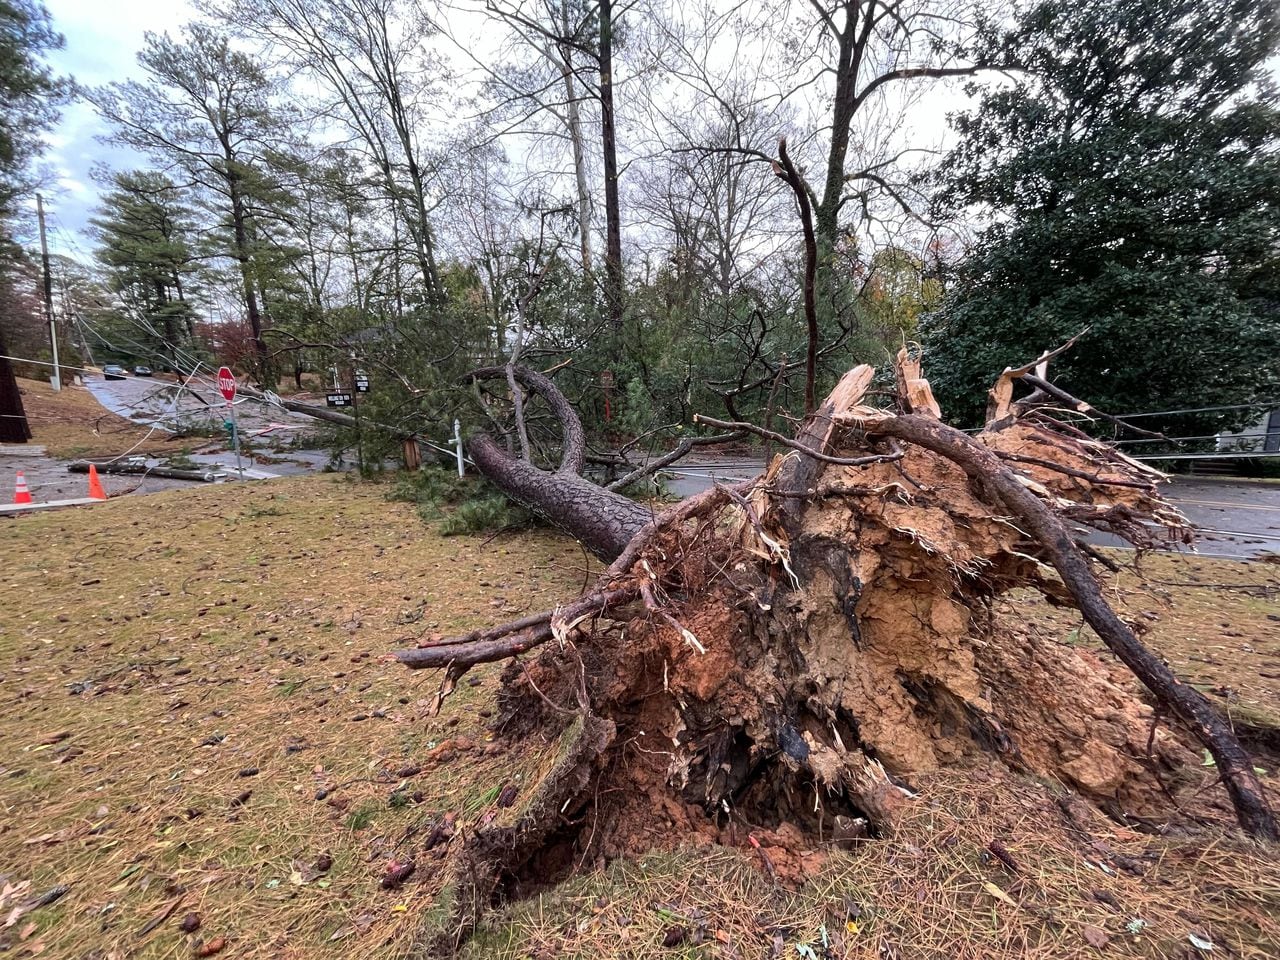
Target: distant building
[{"x": 1261, "y": 436}]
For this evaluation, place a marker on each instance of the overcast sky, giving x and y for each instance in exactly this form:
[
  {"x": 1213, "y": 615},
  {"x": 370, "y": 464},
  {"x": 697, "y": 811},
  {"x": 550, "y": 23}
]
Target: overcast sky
[{"x": 103, "y": 39}]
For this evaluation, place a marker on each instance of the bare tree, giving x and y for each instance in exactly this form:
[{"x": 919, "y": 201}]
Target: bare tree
[
  {"x": 205, "y": 115},
  {"x": 380, "y": 80}
]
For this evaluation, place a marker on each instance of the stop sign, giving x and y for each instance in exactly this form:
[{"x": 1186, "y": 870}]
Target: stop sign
[{"x": 227, "y": 383}]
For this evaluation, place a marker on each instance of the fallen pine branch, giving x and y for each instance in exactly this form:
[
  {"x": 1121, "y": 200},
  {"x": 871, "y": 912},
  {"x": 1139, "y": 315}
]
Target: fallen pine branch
[{"x": 796, "y": 444}]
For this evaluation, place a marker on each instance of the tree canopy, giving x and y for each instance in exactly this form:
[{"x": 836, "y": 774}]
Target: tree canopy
[{"x": 1125, "y": 182}]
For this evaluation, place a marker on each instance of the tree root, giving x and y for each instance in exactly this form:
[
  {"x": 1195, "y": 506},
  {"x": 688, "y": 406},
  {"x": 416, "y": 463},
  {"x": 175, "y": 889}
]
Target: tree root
[
  {"x": 1052, "y": 537},
  {"x": 844, "y": 641}
]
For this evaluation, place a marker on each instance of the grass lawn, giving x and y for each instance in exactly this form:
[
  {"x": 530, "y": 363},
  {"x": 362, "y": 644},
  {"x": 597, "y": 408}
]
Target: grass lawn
[{"x": 198, "y": 721}]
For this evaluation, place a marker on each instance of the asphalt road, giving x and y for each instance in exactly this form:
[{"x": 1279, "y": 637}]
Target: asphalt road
[
  {"x": 1233, "y": 518},
  {"x": 148, "y": 401},
  {"x": 167, "y": 405}
]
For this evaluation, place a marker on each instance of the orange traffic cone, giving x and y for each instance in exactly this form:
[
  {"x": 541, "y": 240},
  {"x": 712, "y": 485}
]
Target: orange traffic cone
[
  {"x": 95, "y": 485},
  {"x": 20, "y": 492}
]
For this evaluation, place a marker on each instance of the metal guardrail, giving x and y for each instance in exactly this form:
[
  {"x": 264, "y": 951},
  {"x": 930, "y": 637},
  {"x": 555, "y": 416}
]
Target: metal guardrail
[{"x": 1249, "y": 445}]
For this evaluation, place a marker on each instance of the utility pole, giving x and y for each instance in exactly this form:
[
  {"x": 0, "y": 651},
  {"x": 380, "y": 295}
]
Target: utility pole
[{"x": 55, "y": 381}]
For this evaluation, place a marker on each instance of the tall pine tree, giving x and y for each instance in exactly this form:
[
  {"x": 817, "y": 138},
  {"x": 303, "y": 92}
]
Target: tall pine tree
[
  {"x": 142, "y": 229},
  {"x": 29, "y": 95}
]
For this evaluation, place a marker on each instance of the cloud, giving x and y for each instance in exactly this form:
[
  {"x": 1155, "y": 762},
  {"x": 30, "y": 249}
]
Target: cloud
[{"x": 102, "y": 41}]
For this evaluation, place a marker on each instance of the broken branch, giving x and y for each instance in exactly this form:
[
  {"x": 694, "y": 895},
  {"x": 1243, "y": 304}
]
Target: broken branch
[{"x": 796, "y": 444}]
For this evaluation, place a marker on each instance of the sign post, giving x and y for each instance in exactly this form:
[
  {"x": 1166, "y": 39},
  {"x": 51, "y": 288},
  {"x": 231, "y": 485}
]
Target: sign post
[
  {"x": 457, "y": 442},
  {"x": 227, "y": 387}
]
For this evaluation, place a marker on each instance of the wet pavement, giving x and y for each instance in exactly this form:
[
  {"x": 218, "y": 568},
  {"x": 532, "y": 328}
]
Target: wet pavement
[
  {"x": 1239, "y": 519},
  {"x": 193, "y": 406},
  {"x": 198, "y": 410}
]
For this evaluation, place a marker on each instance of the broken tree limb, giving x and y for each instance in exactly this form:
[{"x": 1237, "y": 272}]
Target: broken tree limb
[
  {"x": 1088, "y": 408},
  {"x": 796, "y": 444},
  {"x": 1000, "y": 396},
  {"x": 319, "y": 413},
  {"x": 1079, "y": 406},
  {"x": 1051, "y": 536},
  {"x": 508, "y": 640},
  {"x": 787, "y": 171},
  {"x": 1071, "y": 472},
  {"x": 614, "y": 587},
  {"x": 679, "y": 452},
  {"x": 575, "y": 440},
  {"x": 140, "y": 469}
]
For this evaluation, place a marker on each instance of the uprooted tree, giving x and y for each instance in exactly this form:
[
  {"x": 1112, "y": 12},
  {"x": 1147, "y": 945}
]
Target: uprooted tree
[{"x": 782, "y": 659}]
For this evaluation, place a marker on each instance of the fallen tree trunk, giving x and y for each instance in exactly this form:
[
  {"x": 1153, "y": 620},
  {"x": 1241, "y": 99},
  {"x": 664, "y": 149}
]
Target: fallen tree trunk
[
  {"x": 323, "y": 413},
  {"x": 782, "y": 661},
  {"x": 169, "y": 473},
  {"x": 602, "y": 520}
]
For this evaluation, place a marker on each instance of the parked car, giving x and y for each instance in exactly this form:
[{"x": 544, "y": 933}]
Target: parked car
[
  {"x": 113, "y": 371},
  {"x": 141, "y": 371}
]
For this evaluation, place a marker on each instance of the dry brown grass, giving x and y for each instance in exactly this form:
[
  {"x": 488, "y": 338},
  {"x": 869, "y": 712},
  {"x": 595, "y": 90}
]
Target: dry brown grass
[
  {"x": 182, "y": 639},
  {"x": 255, "y": 617},
  {"x": 931, "y": 890},
  {"x": 71, "y": 423}
]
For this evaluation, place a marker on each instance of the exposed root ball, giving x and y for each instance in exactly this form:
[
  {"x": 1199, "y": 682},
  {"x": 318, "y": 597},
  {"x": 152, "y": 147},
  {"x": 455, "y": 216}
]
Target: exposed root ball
[{"x": 777, "y": 666}]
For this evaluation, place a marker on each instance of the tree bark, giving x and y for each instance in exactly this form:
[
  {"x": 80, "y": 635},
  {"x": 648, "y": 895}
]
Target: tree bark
[
  {"x": 603, "y": 521},
  {"x": 244, "y": 260},
  {"x": 574, "y": 441},
  {"x": 609, "y": 144},
  {"x": 573, "y": 111},
  {"x": 13, "y": 418},
  {"x": 136, "y": 469}
]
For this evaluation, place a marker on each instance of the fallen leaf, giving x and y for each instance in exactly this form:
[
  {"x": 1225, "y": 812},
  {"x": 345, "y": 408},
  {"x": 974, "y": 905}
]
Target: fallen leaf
[
  {"x": 1095, "y": 937},
  {"x": 397, "y": 873},
  {"x": 674, "y": 936},
  {"x": 210, "y": 947},
  {"x": 160, "y": 917},
  {"x": 307, "y": 872},
  {"x": 999, "y": 894}
]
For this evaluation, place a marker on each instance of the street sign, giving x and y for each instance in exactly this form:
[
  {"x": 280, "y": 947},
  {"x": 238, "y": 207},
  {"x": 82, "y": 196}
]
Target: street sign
[
  {"x": 338, "y": 399},
  {"x": 362, "y": 382},
  {"x": 227, "y": 384},
  {"x": 227, "y": 387}
]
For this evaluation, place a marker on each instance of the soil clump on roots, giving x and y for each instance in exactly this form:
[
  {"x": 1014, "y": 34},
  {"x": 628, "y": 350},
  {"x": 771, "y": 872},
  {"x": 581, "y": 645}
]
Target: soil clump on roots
[{"x": 782, "y": 665}]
